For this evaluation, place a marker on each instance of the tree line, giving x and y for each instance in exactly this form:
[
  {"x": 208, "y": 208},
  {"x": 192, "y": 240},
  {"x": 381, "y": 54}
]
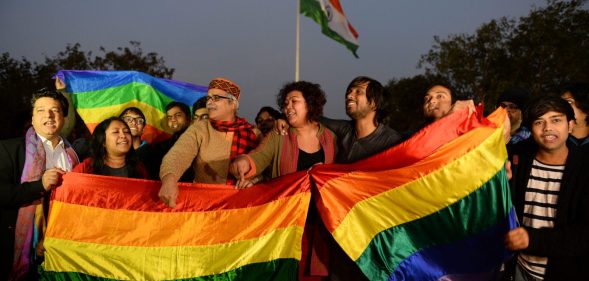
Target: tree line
[{"x": 541, "y": 51}]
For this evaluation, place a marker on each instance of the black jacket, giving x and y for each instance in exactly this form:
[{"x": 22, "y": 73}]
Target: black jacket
[
  {"x": 567, "y": 244},
  {"x": 13, "y": 195}
]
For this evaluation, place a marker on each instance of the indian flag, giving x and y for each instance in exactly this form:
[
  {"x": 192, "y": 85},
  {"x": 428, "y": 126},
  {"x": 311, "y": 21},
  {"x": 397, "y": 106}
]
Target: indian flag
[{"x": 330, "y": 15}]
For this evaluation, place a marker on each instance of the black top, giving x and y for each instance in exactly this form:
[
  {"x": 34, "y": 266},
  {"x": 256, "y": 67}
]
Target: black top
[
  {"x": 115, "y": 172},
  {"x": 307, "y": 160},
  {"x": 352, "y": 149},
  {"x": 13, "y": 195},
  {"x": 567, "y": 244},
  {"x": 154, "y": 160}
]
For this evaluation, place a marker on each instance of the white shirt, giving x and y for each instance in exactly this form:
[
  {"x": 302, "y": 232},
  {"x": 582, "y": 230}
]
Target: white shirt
[{"x": 55, "y": 157}]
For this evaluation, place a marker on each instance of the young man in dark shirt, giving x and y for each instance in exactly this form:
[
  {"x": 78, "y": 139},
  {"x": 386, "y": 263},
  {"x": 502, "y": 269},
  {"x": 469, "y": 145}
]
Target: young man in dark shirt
[{"x": 551, "y": 197}]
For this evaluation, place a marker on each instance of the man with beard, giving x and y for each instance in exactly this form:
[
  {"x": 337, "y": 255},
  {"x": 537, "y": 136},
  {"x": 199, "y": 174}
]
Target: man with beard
[
  {"x": 364, "y": 135},
  {"x": 514, "y": 100},
  {"x": 359, "y": 138},
  {"x": 209, "y": 147},
  {"x": 178, "y": 119}
]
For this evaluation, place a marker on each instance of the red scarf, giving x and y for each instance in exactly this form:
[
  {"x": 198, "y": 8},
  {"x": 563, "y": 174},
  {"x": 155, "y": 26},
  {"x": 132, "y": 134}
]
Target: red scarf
[{"x": 244, "y": 138}]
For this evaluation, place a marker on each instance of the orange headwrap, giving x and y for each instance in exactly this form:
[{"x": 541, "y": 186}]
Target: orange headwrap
[{"x": 225, "y": 85}]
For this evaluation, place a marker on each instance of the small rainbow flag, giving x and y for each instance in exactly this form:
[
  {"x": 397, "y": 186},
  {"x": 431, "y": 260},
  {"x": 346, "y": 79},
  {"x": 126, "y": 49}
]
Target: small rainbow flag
[
  {"x": 98, "y": 95},
  {"x": 437, "y": 206},
  {"x": 107, "y": 228}
]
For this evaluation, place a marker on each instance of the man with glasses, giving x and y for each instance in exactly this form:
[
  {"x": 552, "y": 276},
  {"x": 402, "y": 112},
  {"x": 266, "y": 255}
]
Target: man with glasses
[
  {"x": 209, "y": 147},
  {"x": 514, "y": 100},
  {"x": 199, "y": 109},
  {"x": 135, "y": 118}
]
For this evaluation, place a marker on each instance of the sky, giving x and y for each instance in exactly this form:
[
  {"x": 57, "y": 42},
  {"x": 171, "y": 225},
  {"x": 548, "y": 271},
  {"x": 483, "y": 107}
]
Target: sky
[{"x": 251, "y": 42}]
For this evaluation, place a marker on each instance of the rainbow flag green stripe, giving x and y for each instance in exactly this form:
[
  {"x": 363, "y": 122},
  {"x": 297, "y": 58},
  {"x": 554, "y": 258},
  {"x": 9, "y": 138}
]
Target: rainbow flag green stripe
[
  {"x": 124, "y": 93},
  {"x": 403, "y": 241},
  {"x": 280, "y": 269},
  {"x": 440, "y": 213}
]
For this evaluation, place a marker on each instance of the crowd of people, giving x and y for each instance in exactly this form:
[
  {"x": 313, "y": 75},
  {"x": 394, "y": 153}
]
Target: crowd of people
[{"x": 210, "y": 143}]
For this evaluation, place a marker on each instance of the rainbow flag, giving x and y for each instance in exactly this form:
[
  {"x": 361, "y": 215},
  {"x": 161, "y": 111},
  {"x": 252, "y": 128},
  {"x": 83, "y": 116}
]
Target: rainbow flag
[
  {"x": 435, "y": 207},
  {"x": 98, "y": 95},
  {"x": 106, "y": 228}
]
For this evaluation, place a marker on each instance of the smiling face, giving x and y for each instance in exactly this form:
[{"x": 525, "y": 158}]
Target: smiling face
[
  {"x": 136, "y": 123},
  {"x": 437, "y": 102},
  {"x": 117, "y": 139},
  {"x": 295, "y": 109},
  {"x": 177, "y": 119},
  {"x": 47, "y": 119},
  {"x": 220, "y": 105},
  {"x": 357, "y": 105},
  {"x": 551, "y": 130}
]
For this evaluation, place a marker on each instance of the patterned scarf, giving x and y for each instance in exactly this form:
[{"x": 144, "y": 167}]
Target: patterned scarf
[
  {"x": 31, "y": 223},
  {"x": 244, "y": 138}
]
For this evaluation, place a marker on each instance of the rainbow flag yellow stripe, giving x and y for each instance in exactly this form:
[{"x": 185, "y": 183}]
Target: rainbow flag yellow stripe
[
  {"x": 114, "y": 228},
  {"x": 442, "y": 212}
]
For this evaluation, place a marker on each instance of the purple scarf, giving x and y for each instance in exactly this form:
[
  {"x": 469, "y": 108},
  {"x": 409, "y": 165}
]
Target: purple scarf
[{"x": 30, "y": 223}]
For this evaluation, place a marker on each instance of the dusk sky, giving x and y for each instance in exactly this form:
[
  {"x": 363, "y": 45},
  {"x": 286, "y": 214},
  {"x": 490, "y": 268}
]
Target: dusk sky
[{"x": 251, "y": 42}]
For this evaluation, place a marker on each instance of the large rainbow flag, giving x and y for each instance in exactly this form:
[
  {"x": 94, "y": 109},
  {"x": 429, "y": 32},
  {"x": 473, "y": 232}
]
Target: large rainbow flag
[
  {"x": 105, "y": 228},
  {"x": 98, "y": 95},
  {"x": 433, "y": 208}
]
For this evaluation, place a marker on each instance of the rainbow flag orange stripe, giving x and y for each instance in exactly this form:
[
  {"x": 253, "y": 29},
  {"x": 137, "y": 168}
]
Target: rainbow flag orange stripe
[
  {"x": 442, "y": 213},
  {"x": 116, "y": 229},
  {"x": 98, "y": 95}
]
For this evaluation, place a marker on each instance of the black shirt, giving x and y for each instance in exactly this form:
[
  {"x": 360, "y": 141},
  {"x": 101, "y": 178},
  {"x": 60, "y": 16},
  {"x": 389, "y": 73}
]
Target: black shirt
[
  {"x": 307, "y": 160},
  {"x": 352, "y": 149}
]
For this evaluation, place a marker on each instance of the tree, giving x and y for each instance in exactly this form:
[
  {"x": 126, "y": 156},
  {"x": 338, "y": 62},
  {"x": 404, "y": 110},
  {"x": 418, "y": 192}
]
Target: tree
[
  {"x": 406, "y": 101},
  {"x": 19, "y": 78},
  {"x": 541, "y": 52}
]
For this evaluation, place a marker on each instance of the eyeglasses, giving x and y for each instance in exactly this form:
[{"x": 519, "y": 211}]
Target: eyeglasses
[
  {"x": 201, "y": 117},
  {"x": 216, "y": 98},
  {"x": 137, "y": 120},
  {"x": 508, "y": 105}
]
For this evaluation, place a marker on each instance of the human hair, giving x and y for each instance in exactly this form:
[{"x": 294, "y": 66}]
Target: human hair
[
  {"x": 312, "y": 93},
  {"x": 445, "y": 85},
  {"x": 273, "y": 112},
  {"x": 98, "y": 149},
  {"x": 580, "y": 93},
  {"x": 182, "y": 107},
  {"x": 543, "y": 104},
  {"x": 58, "y": 96},
  {"x": 376, "y": 93},
  {"x": 134, "y": 110},
  {"x": 200, "y": 103}
]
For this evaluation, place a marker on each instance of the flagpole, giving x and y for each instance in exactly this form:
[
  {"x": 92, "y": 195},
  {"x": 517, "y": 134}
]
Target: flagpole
[{"x": 297, "y": 41}]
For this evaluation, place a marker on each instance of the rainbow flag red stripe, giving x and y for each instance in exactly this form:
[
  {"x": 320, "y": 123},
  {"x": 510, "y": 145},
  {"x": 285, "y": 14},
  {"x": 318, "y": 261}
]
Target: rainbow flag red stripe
[
  {"x": 442, "y": 212},
  {"x": 98, "y": 95},
  {"x": 116, "y": 229}
]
